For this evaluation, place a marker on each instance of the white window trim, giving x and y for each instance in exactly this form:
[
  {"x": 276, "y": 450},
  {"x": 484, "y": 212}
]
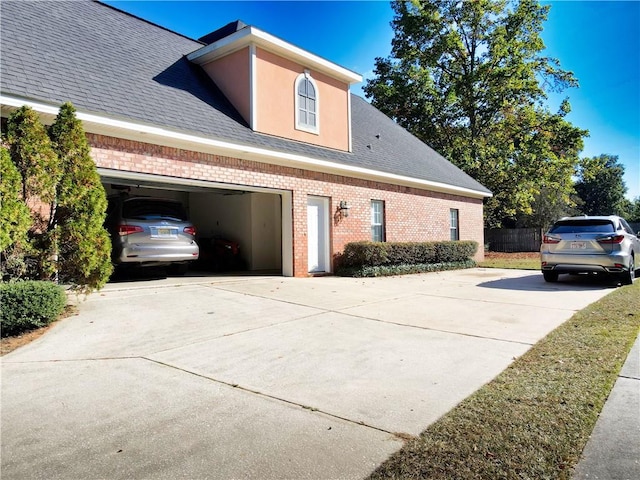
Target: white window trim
[
  {"x": 382, "y": 220},
  {"x": 455, "y": 228},
  {"x": 298, "y": 126}
]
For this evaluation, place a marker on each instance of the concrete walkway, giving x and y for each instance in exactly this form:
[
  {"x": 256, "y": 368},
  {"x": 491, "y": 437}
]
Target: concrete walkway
[
  {"x": 613, "y": 451},
  {"x": 264, "y": 377}
]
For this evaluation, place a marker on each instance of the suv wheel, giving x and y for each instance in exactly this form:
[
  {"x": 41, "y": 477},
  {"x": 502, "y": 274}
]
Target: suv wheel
[
  {"x": 626, "y": 278},
  {"x": 550, "y": 276}
]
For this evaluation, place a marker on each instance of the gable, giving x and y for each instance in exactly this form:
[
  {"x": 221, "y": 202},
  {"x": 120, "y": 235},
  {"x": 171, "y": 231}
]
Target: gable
[
  {"x": 266, "y": 93},
  {"x": 276, "y": 102}
]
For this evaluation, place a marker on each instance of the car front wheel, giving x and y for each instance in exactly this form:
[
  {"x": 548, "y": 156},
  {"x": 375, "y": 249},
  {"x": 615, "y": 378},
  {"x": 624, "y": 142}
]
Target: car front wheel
[{"x": 550, "y": 276}]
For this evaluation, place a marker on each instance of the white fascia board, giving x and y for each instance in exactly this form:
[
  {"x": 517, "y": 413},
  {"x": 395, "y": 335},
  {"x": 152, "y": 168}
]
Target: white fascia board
[
  {"x": 251, "y": 35},
  {"x": 161, "y": 136},
  {"x": 253, "y": 85}
]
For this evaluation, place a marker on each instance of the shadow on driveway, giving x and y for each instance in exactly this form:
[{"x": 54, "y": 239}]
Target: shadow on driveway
[{"x": 535, "y": 283}]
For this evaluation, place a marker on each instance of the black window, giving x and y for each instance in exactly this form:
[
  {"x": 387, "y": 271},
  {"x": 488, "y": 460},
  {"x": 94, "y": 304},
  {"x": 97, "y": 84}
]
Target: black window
[
  {"x": 583, "y": 226},
  {"x": 146, "y": 208}
]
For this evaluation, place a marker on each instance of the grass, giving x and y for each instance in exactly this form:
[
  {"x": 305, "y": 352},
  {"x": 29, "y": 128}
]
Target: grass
[
  {"x": 534, "y": 419},
  {"x": 521, "y": 260}
]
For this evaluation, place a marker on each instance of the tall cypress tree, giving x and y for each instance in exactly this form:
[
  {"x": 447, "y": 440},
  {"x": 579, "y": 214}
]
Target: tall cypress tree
[
  {"x": 84, "y": 246},
  {"x": 32, "y": 154},
  {"x": 15, "y": 220},
  {"x": 37, "y": 163}
]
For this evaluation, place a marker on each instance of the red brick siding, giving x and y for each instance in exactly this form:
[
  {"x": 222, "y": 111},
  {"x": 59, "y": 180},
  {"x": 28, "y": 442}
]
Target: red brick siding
[{"x": 410, "y": 214}]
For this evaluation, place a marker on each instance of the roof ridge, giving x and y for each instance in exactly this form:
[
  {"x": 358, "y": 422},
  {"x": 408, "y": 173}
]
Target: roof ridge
[{"x": 147, "y": 21}]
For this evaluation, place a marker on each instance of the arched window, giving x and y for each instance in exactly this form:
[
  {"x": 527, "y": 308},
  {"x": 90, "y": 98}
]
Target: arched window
[{"x": 306, "y": 104}]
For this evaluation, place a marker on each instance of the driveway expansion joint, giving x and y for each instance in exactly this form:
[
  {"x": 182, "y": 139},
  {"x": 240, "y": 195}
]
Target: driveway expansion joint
[
  {"x": 231, "y": 334},
  {"x": 398, "y": 435},
  {"x": 449, "y": 297},
  {"x": 323, "y": 309},
  {"x": 342, "y": 311},
  {"x": 429, "y": 329},
  {"x": 71, "y": 360}
]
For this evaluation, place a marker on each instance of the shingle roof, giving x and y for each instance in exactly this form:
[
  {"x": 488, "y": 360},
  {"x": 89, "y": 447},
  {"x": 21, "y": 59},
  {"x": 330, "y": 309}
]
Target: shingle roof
[
  {"x": 222, "y": 32},
  {"x": 108, "y": 62}
]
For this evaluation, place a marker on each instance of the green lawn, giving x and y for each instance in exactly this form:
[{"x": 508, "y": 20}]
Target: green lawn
[
  {"x": 522, "y": 261},
  {"x": 534, "y": 419}
]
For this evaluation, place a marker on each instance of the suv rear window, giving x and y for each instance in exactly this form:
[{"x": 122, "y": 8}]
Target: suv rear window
[
  {"x": 145, "y": 209},
  {"x": 583, "y": 226}
]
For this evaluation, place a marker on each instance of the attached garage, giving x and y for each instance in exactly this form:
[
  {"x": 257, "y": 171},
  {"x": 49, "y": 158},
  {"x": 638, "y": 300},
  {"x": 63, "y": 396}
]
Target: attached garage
[
  {"x": 252, "y": 217},
  {"x": 262, "y": 141}
]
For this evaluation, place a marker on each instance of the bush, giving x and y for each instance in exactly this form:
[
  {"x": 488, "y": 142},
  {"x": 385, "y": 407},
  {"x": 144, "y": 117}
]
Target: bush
[
  {"x": 382, "y": 258},
  {"x": 364, "y": 253},
  {"x": 403, "y": 269},
  {"x": 358, "y": 254},
  {"x": 28, "y": 305}
]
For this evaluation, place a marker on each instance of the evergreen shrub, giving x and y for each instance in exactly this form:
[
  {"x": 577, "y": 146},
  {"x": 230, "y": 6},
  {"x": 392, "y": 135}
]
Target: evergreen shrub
[
  {"x": 29, "y": 304},
  {"x": 367, "y": 259}
]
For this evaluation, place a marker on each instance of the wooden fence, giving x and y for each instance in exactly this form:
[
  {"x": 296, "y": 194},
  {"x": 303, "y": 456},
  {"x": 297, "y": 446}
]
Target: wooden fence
[
  {"x": 520, "y": 239},
  {"x": 513, "y": 239}
]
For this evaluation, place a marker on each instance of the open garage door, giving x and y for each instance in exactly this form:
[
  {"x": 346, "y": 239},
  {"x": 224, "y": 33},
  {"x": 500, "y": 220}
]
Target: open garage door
[{"x": 258, "y": 220}]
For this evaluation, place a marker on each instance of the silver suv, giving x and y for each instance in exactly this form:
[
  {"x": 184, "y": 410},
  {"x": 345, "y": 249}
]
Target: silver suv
[
  {"x": 591, "y": 245},
  {"x": 147, "y": 231}
]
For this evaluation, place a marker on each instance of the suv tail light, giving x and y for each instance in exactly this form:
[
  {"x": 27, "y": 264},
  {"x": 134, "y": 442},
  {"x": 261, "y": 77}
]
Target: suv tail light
[
  {"x": 550, "y": 239},
  {"x": 611, "y": 239},
  {"x": 191, "y": 230},
  {"x": 124, "y": 230}
]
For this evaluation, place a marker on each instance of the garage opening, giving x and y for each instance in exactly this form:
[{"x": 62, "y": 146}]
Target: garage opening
[{"x": 254, "y": 221}]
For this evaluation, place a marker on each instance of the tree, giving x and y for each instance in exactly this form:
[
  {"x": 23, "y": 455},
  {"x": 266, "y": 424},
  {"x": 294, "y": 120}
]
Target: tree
[
  {"x": 38, "y": 166},
  {"x": 15, "y": 220},
  {"x": 633, "y": 211},
  {"x": 58, "y": 182},
  {"x": 33, "y": 156},
  {"x": 84, "y": 246},
  {"x": 467, "y": 77},
  {"x": 601, "y": 185}
]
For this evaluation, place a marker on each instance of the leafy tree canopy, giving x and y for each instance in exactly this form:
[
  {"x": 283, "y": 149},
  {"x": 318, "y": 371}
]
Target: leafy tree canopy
[
  {"x": 468, "y": 78},
  {"x": 633, "y": 210},
  {"x": 601, "y": 186}
]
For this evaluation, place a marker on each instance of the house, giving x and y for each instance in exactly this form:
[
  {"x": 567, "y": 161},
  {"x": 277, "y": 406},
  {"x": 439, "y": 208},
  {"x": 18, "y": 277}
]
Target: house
[{"x": 261, "y": 140}]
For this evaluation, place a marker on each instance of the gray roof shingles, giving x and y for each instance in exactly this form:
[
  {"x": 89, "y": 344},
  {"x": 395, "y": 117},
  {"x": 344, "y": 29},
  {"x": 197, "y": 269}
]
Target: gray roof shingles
[{"x": 108, "y": 62}]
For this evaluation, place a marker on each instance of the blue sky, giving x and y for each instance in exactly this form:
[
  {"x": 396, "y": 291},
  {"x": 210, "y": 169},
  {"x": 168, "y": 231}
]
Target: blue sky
[{"x": 598, "y": 41}]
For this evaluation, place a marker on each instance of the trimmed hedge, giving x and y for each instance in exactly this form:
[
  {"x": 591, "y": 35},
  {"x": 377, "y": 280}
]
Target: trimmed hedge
[
  {"x": 28, "y": 305},
  {"x": 403, "y": 269},
  {"x": 372, "y": 259}
]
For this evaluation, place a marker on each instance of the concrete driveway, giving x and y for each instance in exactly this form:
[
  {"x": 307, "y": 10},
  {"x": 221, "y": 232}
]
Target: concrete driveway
[{"x": 264, "y": 377}]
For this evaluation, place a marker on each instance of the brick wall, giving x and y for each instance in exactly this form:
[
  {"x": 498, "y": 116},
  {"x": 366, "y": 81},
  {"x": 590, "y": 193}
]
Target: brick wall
[{"x": 410, "y": 214}]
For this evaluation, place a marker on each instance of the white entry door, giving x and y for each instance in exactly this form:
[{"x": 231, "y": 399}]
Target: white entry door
[{"x": 318, "y": 233}]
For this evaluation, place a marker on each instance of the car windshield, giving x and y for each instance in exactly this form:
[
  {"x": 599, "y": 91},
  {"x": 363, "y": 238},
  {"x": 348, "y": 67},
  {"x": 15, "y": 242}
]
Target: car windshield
[
  {"x": 583, "y": 226},
  {"x": 149, "y": 209}
]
